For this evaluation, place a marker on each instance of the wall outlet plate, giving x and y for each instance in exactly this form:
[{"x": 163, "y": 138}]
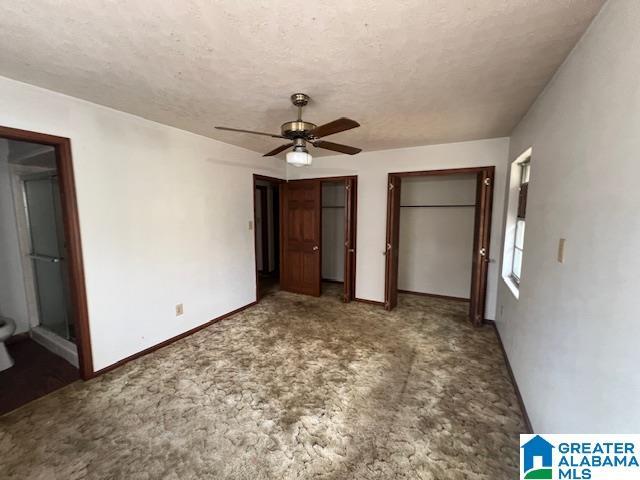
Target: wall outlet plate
[{"x": 179, "y": 310}]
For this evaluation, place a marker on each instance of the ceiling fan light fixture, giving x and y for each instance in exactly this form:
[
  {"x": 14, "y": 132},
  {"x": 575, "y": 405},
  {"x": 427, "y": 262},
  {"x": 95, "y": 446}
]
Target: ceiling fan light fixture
[{"x": 299, "y": 158}]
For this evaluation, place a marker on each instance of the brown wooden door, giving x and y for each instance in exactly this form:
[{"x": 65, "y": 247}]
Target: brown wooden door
[
  {"x": 351, "y": 186},
  {"x": 484, "y": 202},
  {"x": 393, "y": 243},
  {"x": 301, "y": 210}
]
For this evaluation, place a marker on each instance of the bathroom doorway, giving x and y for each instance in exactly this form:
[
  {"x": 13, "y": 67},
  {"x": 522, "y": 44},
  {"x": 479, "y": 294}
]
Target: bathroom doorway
[{"x": 43, "y": 303}]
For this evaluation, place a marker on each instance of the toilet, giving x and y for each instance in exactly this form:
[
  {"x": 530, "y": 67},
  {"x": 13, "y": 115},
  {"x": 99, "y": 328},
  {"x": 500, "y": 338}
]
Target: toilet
[{"x": 7, "y": 327}]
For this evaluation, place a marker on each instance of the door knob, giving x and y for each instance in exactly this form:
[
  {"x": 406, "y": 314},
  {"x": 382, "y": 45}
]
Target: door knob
[{"x": 315, "y": 248}]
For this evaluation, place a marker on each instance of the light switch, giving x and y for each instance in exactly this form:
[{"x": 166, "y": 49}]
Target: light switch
[
  {"x": 250, "y": 225},
  {"x": 179, "y": 310},
  {"x": 561, "y": 248}
]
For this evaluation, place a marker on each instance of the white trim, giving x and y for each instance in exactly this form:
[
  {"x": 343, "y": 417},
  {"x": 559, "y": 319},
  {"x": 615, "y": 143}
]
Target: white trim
[
  {"x": 56, "y": 345},
  {"x": 515, "y": 289}
]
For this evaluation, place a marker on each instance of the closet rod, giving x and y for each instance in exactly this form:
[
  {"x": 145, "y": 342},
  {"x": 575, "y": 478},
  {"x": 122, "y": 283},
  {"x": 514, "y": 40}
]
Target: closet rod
[{"x": 435, "y": 206}]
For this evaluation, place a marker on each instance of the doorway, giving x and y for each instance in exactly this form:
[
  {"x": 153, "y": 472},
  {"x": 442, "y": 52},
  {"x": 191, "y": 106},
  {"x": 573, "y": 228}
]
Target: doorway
[
  {"x": 266, "y": 192},
  {"x": 43, "y": 298},
  {"x": 319, "y": 236},
  {"x": 449, "y": 214}
]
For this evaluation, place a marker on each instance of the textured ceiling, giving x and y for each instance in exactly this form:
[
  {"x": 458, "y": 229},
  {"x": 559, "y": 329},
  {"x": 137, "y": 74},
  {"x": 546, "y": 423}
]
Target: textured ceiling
[{"x": 412, "y": 72}]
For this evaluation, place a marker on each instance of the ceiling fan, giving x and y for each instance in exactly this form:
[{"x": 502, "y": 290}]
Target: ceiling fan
[{"x": 299, "y": 133}]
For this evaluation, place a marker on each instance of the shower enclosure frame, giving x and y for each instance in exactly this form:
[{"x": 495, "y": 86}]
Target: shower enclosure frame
[{"x": 64, "y": 163}]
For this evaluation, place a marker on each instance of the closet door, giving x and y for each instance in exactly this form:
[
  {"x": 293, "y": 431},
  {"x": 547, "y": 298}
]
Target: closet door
[
  {"x": 484, "y": 202},
  {"x": 393, "y": 243},
  {"x": 351, "y": 195},
  {"x": 301, "y": 211}
]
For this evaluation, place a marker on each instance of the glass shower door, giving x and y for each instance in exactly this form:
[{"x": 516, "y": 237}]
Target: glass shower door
[{"x": 42, "y": 202}]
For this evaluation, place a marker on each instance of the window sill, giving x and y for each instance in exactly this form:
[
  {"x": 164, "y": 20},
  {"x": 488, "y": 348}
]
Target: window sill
[{"x": 515, "y": 289}]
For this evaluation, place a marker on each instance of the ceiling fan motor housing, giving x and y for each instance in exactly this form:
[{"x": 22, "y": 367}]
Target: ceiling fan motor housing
[{"x": 297, "y": 129}]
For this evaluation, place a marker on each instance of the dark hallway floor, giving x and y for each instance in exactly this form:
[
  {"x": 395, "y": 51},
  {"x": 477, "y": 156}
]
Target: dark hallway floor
[{"x": 36, "y": 373}]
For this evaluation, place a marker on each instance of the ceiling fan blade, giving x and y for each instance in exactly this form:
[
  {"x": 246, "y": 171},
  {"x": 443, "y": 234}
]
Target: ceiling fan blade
[
  {"x": 250, "y": 131},
  {"x": 336, "y": 147},
  {"x": 337, "y": 126},
  {"x": 276, "y": 151}
]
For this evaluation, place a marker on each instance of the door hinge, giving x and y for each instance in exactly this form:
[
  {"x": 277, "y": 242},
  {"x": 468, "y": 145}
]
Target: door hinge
[
  {"x": 391, "y": 186},
  {"x": 347, "y": 187},
  {"x": 487, "y": 181},
  {"x": 483, "y": 252}
]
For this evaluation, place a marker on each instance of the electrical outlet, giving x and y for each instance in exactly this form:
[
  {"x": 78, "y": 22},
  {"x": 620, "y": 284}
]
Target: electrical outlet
[
  {"x": 179, "y": 310},
  {"x": 250, "y": 225}
]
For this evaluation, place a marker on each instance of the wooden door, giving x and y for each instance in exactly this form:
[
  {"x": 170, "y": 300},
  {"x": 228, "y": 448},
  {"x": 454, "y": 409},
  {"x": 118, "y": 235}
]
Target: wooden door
[
  {"x": 301, "y": 211},
  {"x": 351, "y": 193},
  {"x": 484, "y": 202},
  {"x": 393, "y": 242}
]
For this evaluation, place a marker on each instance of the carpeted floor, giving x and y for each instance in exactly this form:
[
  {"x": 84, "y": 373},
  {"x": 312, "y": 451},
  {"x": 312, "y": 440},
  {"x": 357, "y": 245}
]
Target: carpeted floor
[{"x": 295, "y": 387}]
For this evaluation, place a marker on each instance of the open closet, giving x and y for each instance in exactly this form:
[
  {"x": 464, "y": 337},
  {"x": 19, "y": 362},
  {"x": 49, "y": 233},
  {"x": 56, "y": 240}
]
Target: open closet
[
  {"x": 333, "y": 236},
  {"x": 319, "y": 236},
  {"x": 437, "y": 216},
  {"x": 438, "y": 230}
]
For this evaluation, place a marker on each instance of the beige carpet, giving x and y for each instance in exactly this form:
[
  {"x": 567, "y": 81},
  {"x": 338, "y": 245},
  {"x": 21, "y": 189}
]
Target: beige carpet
[{"x": 295, "y": 387}]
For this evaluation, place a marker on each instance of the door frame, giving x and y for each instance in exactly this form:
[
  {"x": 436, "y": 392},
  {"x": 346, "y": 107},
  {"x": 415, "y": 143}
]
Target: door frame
[
  {"x": 277, "y": 181},
  {"x": 481, "y": 237},
  {"x": 264, "y": 227},
  {"x": 71, "y": 224}
]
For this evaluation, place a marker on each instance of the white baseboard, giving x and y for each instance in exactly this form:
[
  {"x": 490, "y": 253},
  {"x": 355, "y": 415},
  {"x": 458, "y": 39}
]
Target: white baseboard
[{"x": 56, "y": 345}]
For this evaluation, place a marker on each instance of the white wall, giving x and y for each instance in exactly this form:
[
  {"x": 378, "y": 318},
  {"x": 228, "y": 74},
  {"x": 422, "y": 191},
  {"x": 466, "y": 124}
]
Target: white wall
[
  {"x": 333, "y": 194},
  {"x": 372, "y": 169},
  {"x": 13, "y": 301},
  {"x": 572, "y": 337},
  {"x": 164, "y": 218},
  {"x": 436, "y": 243}
]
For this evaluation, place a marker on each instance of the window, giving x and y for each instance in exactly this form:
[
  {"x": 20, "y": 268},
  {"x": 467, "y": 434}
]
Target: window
[{"x": 518, "y": 243}]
